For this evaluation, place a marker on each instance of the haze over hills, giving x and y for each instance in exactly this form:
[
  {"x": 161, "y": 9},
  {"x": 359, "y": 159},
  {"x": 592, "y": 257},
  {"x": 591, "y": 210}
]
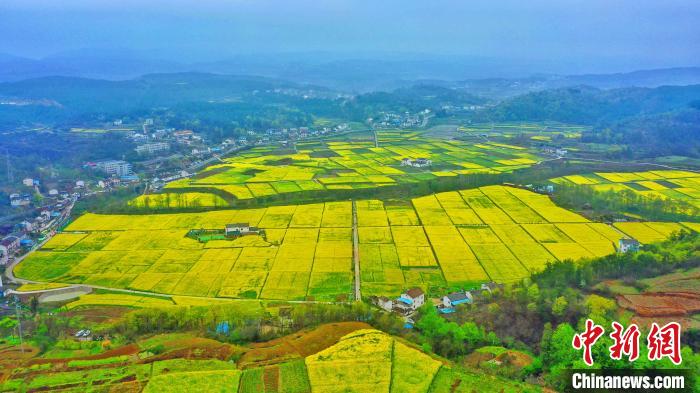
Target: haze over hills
[
  {"x": 351, "y": 73},
  {"x": 579, "y": 104}
]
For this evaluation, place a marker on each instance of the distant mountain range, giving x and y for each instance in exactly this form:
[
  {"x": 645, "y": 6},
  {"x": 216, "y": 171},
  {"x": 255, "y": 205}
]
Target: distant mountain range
[
  {"x": 360, "y": 74},
  {"x": 62, "y": 98}
]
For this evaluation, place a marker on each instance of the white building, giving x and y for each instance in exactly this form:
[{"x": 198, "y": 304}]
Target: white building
[
  {"x": 456, "y": 298},
  {"x": 80, "y": 184},
  {"x": 385, "y": 303},
  {"x": 114, "y": 167},
  {"x": 417, "y": 163},
  {"x": 28, "y": 182},
  {"x": 627, "y": 245},
  {"x": 241, "y": 229},
  {"x": 26, "y": 225},
  {"x": 413, "y": 298},
  {"x": 150, "y": 148}
]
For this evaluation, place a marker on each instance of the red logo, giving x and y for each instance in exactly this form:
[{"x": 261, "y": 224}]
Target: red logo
[
  {"x": 626, "y": 342},
  {"x": 665, "y": 342},
  {"x": 586, "y": 340}
]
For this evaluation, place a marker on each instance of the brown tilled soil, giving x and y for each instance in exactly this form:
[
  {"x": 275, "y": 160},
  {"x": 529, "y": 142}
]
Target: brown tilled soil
[
  {"x": 195, "y": 348},
  {"x": 515, "y": 359},
  {"x": 298, "y": 345},
  {"x": 661, "y": 304},
  {"x": 271, "y": 378},
  {"x": 99, "y": 314},
  {"x": 130, "y": 349},
  {"x": 127, "y": 387}
]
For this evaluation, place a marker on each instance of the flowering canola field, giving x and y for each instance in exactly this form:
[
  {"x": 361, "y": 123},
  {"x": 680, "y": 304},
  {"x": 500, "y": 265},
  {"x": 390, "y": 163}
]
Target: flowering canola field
[
  {"x": 337, "y": 165},
  {"x": 450, "y": 239},
  {"x": 666, "y": 184}
]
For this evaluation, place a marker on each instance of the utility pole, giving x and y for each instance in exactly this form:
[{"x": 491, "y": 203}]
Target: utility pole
[{"x": 18, "y": 306}]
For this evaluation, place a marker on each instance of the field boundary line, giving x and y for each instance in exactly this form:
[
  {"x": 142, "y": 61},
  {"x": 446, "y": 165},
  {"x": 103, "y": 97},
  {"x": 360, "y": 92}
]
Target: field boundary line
[{"x": 356, "y": 251}]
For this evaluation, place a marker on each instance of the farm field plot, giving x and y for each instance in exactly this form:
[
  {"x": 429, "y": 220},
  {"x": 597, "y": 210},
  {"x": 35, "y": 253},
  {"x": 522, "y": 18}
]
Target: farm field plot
[
  {"x": 210, "y": 381},
  {"x": 345, "y": 359},
  {"x": 296, "y": 259},
  {"x": 451, "y": 239},
  {"x": 369, "y": 360},
  {"x": 336, "y": 165},
  {"x": 663, "y": 184},
  {"x": 178, "y": 200}
]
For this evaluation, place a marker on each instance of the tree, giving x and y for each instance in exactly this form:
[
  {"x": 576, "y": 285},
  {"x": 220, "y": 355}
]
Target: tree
[
  {"x": 7, "y": 326},
  {"x": 559, "y": 306},
  {"x": 34, "y": 304}
]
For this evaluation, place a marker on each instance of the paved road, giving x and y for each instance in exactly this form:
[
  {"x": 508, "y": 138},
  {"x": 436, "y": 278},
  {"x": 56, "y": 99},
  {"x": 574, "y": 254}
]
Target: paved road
[
  {"x": 637, "y": 163},
  {"x": 356, "y": 251},
  {"x": 618, "y": 163},
  {"x": 163, "y": 295},
  {"x": 9, "y": 270}
]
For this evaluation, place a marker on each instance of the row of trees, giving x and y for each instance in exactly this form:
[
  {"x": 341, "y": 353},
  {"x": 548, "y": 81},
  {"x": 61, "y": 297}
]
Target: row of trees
[
  {"x": 610, "y": 203},
  {"x": 540, "y": 315},
  {"x": 249, "y": 324}
]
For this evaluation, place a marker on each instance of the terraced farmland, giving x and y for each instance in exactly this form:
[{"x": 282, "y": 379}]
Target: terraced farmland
[
  {"x": 677, "y": 185},
  {"x": 365, "y": 360},
  {"x": 337, "y": 165},
  {"x": 451, "y": 239}
]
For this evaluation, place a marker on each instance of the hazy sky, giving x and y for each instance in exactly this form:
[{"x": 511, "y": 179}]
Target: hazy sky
[{"x": 643, "y": 33}]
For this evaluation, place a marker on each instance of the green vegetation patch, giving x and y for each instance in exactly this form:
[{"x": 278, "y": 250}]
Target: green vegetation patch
[{"x": 205, "y": 381}]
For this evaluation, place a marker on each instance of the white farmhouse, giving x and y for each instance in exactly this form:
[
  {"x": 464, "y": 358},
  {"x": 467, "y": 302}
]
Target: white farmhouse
[{"x": 413, "y": 298}]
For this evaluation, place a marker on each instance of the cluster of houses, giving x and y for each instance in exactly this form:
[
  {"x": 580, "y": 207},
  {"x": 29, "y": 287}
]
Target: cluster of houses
[
  {"x": 409, "y": 301},
  {"x": 399, "y": 120},
  {"x": 556, "y": 150},
  {"x": 405, "y": 304},
  {"x": 417, "y": 163},
  {"x": 449, "y": 301},
  {"x": 21, "y": 236},
  {"x": 53, "y": 196},
  {"x": 39, "y": 217},
  {"x": 414, "y": 298}
]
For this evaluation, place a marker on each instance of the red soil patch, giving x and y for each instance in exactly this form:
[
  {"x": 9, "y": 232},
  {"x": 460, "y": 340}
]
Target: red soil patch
[
  {"x": 12, "y": 356},
  {"x": 455, "y": 385},
  {"x": 57, "y": 387},
  {"x": 195, "y": 348},
  {"x": 661, "y": 304},
  {"x": 127, "y": 387},
  {"x": 298, "y": 345},
  {"x": 474, "y": 359},
  {"x": 130, "y": 349},
  {"x": 271, "y": 377},
  {"x": 686, "y": 323}
]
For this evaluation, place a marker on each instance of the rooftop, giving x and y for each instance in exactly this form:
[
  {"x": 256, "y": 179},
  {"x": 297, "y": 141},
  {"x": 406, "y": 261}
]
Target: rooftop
[
  {"x": 238, "y": 225},
  {"x": 457, "y": 296},
  {"x": 415, "y": 292}
]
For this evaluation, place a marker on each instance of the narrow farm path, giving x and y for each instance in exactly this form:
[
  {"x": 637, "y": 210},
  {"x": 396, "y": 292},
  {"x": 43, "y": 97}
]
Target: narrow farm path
[{"x": 356, "y": 251}]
